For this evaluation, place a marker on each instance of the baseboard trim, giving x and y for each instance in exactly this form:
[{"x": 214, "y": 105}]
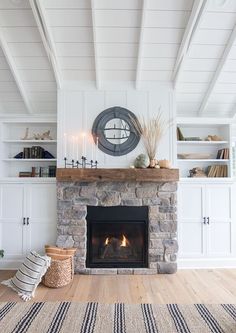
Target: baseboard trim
[
  {"x": 192, "y": 263},
  {"x": 10, "y": 264}
]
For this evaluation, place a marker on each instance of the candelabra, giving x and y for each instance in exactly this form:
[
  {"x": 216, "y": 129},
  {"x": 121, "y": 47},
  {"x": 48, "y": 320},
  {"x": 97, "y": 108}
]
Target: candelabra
[{"x": 82, "y": 163}]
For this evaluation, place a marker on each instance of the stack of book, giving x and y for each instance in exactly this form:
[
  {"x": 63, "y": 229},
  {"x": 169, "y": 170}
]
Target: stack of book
[
  {"x": 49, "y": 171},
  {"x": 223, "y": 154},
  {"x": 33, "y": 152},
  {"x": 217, "y": 171}
]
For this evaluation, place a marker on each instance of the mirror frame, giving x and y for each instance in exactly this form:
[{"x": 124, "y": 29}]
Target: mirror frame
[{"x": 99, "y": 126}]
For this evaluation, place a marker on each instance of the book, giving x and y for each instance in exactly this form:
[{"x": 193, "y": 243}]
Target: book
[
  {"x": 44, "y": 172},
  {"x": 24, "y": 174}
]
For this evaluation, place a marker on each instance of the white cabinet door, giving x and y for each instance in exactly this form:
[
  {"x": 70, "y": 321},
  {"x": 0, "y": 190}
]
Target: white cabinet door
[
  {"x": 41, "y": 211},
  {"x": 12, "y": 230},
  {"x": 218, "y": 210},
  {"x": 191, "y": 207}
]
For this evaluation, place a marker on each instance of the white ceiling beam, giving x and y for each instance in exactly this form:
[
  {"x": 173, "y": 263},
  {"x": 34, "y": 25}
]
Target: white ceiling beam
[
  {"x": 199, "y": 7},
  {"x": 97, "y": 73},
  {"x": 218, "y": 71},
  {"x": 15, "y": 72},
  {"x": 140, "y": 48},
  {"x": 40, "y": 16}
]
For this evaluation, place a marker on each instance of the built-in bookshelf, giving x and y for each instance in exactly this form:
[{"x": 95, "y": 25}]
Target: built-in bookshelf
[
  {"x": 16, "y": 141},
  {"x": 195, "y": 149}
]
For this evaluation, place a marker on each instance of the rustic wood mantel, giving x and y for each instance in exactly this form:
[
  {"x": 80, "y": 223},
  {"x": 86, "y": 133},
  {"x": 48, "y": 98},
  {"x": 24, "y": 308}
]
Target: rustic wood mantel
[{"x": 140, "y": 175}]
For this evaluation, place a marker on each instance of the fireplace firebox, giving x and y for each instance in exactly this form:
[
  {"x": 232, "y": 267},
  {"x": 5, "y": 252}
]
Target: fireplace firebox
[{"x": 117, "y": 237}]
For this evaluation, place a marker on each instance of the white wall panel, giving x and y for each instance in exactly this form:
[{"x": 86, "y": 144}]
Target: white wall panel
[{"x": 78, "y": 110}]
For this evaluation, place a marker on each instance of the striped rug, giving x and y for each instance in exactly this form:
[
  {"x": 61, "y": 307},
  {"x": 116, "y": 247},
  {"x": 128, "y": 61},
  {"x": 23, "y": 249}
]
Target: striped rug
[{"x": 72, "y": 317}]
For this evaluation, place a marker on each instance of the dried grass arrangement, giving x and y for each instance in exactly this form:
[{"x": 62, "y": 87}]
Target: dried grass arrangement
[{"x": 151, "y": 131}]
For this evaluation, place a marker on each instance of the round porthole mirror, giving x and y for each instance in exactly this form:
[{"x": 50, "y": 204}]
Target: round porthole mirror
[{"x": 115, "y": 132}]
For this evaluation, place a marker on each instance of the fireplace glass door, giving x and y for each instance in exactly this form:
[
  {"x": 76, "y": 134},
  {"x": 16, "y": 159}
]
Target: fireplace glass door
[{"x": 117, "y": 237}]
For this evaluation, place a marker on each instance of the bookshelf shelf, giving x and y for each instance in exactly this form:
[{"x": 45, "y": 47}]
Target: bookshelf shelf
[
  {"x": 203, "y": 160},
  {"x": 39, "y": 142},
  {"x": 215, "y": 152},
  {"x": 11, "y": 144},
  {"x": 30, "y": 160},
  {"x": 202, "y": 143}
]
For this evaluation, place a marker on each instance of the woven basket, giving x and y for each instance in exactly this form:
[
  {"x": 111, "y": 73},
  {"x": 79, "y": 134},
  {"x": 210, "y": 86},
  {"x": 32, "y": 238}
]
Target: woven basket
[{"x": 60, "y": 273}]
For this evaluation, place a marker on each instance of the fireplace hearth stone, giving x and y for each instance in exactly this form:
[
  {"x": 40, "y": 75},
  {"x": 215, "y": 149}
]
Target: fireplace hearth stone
[{"x": 161, "y": 199}]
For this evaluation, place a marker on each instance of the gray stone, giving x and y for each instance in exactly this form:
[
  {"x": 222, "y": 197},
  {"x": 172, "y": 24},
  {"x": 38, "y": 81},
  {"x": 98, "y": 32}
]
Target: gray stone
[
  {"x": 164, "y": 195},
  {"x": 160, "y": 198},
  {"x": 62, "y": 205},
  {"x": 171, "y": 245},
  {"x": 168, "y": 226},
  {"x": 79, "y": 211},
  {"x": 148, "y": 185},
  {"x": 103, "y": 271},
  {"x": 168, "y": 187},
  {"x": 165, "y": 202},
  {"x": 90, "y": 184},
  {"x": 145, "y": 192},
  {"x": 153, "y": 212},
  {"x": 145, "y": 271},
  {"x": 151, "y": 201},
  {"x": 85, "y": 271},
  {"x": 156, "y": 244},
  {"x": 65, "y": 241},
  {"x": 88, "y": 191},
  {"x": 109, "y": 198},
  {"x": 167, "y": 209},
  {"x": 125, "y": 271},
  {"x": 62, "y": 229},
  {"x": 173, "y": 257},
  {"x": 128, "y": 195},
  {"x": 86, "y": 201},
  {"x": 112, "y": 186},
  {"x": 166, "y": 268},
  {"x": 70, "y": 193},
  {"x": 131, "y": 202}
]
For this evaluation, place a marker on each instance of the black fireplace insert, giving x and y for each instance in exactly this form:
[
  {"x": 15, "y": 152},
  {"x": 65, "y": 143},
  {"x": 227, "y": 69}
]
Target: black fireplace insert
[{"x": 117, "y": 237}]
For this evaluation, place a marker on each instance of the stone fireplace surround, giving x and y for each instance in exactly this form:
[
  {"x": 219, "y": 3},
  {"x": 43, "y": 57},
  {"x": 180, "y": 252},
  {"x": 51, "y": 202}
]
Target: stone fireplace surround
[{"x": 160, "y": 197}]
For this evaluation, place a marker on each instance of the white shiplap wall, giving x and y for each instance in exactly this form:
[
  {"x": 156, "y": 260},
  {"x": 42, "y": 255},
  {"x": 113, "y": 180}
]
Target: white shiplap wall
[{"x": 78, "y": 109}]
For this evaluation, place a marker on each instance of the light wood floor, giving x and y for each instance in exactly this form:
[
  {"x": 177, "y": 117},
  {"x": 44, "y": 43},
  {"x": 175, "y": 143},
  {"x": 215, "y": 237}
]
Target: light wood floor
[{"x": 187, "y": 286}]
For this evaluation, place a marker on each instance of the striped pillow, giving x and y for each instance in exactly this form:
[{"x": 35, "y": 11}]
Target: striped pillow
[{"x": 29, "y": 275}]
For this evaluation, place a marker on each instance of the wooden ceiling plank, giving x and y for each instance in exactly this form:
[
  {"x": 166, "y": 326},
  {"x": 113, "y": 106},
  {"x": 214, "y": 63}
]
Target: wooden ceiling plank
[
  {"x": 15, "y": 72},
  {"x": 193, "y": 24},
  {"x": 47, "y": 39},
  {"x": 218, "y": 71},
  {"x": 96, "y": 61},
  {"x": 141, "y": 47}
]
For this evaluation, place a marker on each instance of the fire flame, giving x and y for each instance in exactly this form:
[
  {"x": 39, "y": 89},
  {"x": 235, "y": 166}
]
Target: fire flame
[{"x": 124, "y": 241}]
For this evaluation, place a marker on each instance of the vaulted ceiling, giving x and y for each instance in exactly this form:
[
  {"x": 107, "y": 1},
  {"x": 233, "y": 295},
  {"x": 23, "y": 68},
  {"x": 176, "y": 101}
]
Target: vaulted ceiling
[{"x": 48, "y": 43}]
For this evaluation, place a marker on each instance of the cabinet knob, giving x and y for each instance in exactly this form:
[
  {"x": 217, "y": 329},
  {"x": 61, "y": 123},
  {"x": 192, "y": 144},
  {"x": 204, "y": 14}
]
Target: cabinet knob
[
  {"x": 208, "y": 220},
  {"x": 204, "y": 220},
  {"x": 23, "y": 220},
  {"x": 27, "y": 221}
]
